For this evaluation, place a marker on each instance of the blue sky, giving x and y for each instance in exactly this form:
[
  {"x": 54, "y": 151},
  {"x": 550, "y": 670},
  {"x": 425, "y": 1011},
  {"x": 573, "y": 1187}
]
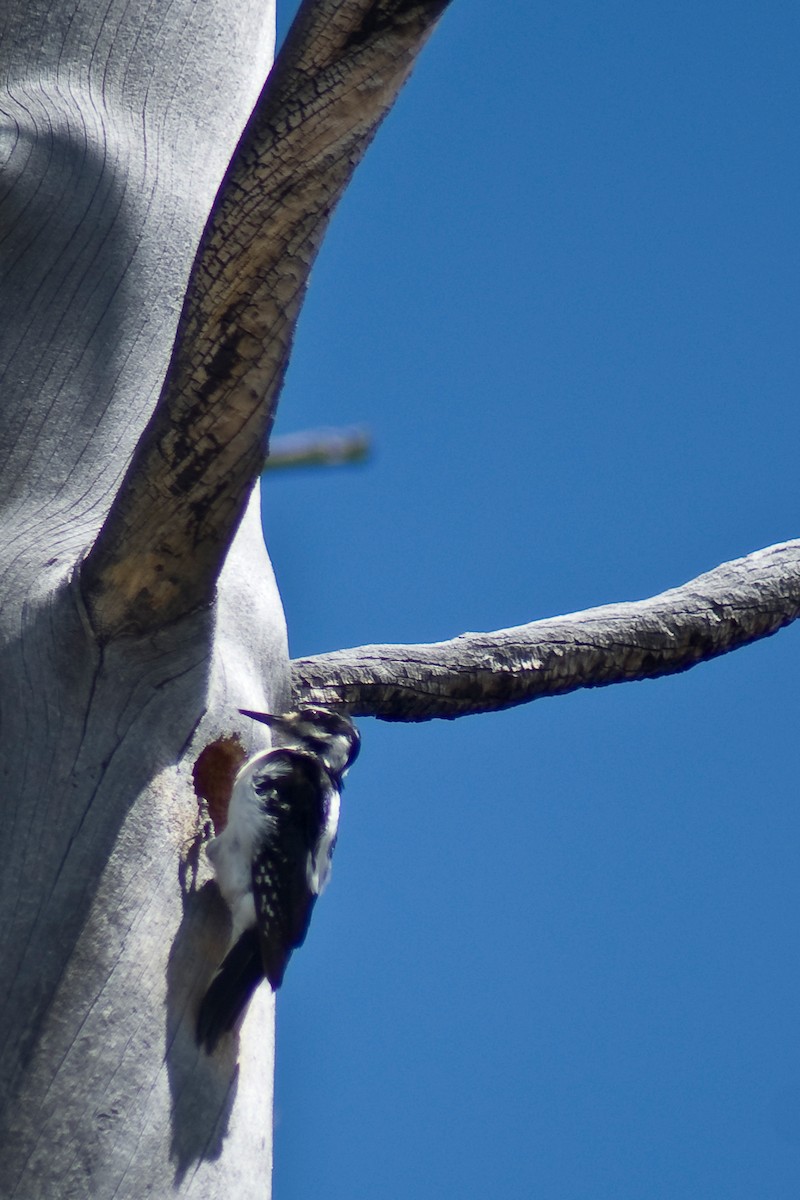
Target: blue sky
[{"x": 559, "y": 955}]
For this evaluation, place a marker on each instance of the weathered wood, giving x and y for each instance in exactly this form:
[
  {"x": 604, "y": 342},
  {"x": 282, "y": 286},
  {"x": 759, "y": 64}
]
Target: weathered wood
[
  {"x": 720, "y": 611},
  {"x": 117, "y": 122},
  {"x": 158, "y": 555}
]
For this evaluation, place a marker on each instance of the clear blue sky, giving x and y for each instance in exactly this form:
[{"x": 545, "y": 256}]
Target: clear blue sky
[{"x": 559, "y": 956}]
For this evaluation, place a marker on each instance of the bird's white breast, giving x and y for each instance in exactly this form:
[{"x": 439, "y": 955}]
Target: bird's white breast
[
  {"x": 318, "y": 867},
  {"x": 231, "y": 854}
]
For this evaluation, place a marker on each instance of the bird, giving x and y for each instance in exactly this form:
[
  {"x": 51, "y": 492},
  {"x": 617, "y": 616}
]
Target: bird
[{"x": 273, "y": 859}]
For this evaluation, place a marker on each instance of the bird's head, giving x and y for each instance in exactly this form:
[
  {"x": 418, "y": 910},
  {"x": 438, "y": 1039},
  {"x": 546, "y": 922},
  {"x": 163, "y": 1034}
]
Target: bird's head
[{"x": 330, "y": 735}]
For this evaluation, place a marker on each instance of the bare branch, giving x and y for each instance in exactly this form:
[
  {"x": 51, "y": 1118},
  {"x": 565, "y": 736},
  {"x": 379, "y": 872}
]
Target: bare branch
[
  {"x": 728, "y": 607},
  {"x": 318, "y": 448},
  {"x": 159, "y": 553}
]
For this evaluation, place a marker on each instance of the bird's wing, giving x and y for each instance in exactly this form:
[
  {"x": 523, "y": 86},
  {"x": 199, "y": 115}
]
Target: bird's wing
[{"x": 290, "y": 789}]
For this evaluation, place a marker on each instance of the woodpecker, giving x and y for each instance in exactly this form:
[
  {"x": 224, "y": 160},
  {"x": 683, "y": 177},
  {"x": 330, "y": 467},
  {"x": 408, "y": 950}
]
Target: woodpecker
[{"x": 273, "y": 859}]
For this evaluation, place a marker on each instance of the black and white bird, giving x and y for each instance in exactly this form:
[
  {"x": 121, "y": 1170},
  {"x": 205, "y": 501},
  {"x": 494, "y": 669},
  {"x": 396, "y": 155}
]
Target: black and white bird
[{"x": 273, "y": 859}]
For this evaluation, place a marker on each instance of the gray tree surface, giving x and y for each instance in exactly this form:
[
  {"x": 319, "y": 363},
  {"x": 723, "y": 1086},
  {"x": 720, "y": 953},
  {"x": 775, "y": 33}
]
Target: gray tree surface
[
  {"x": 138, "y": 605},
  {"x": 143, "y": 346}
]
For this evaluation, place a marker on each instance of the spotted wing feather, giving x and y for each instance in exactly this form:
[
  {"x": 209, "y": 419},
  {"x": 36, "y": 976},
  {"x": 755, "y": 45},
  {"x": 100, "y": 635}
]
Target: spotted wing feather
[{"x": 291, "y": 787}]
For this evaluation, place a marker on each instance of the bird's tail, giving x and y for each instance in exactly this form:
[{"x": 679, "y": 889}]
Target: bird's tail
[{"x": 238, "y": 976}]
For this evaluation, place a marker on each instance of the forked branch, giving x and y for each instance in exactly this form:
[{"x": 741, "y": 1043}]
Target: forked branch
[
  {"x": 161, "y": 548},
  {"x": 728, "y": 607}
]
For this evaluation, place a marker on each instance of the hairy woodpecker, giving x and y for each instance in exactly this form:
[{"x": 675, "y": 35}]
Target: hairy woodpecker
[{"x": 273, "y": 858}]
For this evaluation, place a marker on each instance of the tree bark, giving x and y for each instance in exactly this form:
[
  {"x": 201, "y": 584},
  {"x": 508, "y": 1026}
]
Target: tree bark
[
  {"x": 137, "y": 605},
  {"x": 118, "y": 122},
  {"x": 160, "y": 550},
  {"x": 720, "y": 611}
]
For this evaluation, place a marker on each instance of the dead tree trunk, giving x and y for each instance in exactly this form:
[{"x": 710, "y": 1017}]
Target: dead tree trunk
[
  {"x": 137, "y": 605},
  {"x": 118, "y": 123}
]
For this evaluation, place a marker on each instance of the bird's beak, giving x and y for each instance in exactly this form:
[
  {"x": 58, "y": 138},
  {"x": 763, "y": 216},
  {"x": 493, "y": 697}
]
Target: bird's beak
[{"x": 271, "y": 719}]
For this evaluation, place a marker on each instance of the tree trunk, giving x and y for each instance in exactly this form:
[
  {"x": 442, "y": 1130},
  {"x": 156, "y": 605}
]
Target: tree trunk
[
  {"x": 126, "y": 465},
  {"x": 118, "y": 124}
]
